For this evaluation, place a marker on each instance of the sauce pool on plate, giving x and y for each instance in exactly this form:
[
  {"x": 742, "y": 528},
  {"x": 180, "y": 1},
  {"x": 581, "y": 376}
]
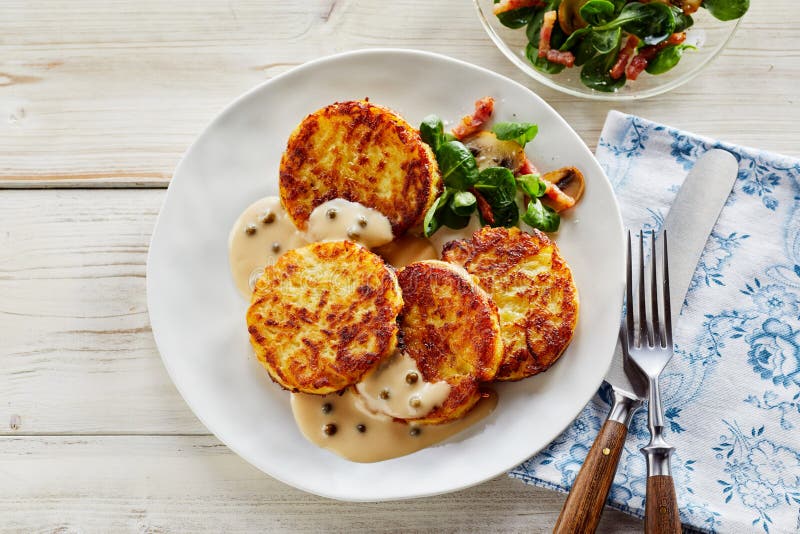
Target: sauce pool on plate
[
  {"x": 344, "y": 425},
  {"x": 260, "y": 235}
]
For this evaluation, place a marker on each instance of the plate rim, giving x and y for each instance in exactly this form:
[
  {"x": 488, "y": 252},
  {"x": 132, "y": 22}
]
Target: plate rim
[{"x": 617, "y": 219}]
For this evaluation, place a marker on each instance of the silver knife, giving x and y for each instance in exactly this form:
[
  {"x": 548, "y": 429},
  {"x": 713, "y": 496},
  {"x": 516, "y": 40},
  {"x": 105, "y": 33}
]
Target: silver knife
[{"x": 689, "y": 223}]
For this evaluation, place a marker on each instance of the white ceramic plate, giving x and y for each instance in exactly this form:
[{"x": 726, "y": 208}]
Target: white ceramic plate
[{"x": 198, "y": 317}]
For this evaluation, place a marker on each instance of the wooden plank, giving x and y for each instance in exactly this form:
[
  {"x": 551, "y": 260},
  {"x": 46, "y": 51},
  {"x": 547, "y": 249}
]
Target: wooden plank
[
  {"x": 111, "y": 92},
  {"x": 77, "y": 354},
  {"x": 193, "y": 484}
]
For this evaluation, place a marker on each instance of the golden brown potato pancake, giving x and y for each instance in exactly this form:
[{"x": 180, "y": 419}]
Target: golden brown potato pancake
[
  {"x": 323, "y": 315},
  {"x": 363, "y": 153},
  {"x": 534, "y": 291},
  {"x": 450, "y": 327}
]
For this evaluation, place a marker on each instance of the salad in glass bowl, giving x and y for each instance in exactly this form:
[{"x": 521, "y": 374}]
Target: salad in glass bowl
[{"x": 611, "y": 48}]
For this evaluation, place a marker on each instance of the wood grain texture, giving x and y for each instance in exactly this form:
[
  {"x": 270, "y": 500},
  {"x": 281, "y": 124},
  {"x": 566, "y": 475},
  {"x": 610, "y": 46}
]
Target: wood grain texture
[
  {"x": 111, "y": 92},
  {"x": 194, "y": 484},
  {"x": 587, "y": 498},
  {"x": 662, "y": 515},
  {"x": 77, "y": 354}
]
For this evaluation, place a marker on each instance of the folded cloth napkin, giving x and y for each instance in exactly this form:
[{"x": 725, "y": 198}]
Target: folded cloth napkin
[{"x": 732, "y": 391}]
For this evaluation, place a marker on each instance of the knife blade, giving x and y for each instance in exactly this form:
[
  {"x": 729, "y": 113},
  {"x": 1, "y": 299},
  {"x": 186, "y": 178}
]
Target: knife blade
[{"x": 689, "y": 223}]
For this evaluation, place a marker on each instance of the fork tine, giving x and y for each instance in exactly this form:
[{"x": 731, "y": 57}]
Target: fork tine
[
  {"x": 654, "y": 291},
  {"x": 667, "y": 308},
  {"x": 629, "y": 296},
  {"x": 644, "y": 334}
]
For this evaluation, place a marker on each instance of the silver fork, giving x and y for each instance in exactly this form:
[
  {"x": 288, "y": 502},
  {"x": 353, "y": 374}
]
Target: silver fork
[{"x": 650, "y": 351}]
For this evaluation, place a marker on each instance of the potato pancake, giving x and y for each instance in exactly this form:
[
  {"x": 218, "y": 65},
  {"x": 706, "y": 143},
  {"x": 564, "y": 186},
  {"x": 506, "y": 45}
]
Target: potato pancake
[
  {"x": 534, "y": 291},
  {"x": 362, "y": 153},
  {"x": 323, "y": 315},
  {"x": 450, "y": 327}
]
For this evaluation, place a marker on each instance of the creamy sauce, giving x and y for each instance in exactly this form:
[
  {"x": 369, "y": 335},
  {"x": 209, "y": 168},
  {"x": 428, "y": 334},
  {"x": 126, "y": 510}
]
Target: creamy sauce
[
  {"x": 261, "y": 234},
  {"x": 345, "y": 426},
  {"x": 407, "y": 249},
  {"x": 340, "y": 219},
  {"x": 396, "y": 388}
]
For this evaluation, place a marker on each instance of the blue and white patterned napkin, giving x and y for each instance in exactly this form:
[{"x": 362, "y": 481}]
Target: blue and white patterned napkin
[{"x": 732, "y": 391}]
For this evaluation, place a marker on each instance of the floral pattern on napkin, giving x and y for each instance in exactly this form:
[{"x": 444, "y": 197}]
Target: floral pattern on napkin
[{"x": 732, "y": 391}]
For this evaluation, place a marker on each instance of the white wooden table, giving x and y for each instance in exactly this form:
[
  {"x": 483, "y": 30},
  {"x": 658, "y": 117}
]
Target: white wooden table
[{"x": 98, "y": 99}]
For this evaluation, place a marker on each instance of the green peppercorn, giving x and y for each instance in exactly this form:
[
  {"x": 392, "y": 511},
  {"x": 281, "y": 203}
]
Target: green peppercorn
[{"x": 268, "y": 217}]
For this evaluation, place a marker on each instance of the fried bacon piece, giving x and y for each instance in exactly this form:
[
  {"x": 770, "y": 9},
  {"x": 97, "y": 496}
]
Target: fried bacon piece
[
  {"x": 510, "y": 5},
  {"x": 624, "y": 56},
  {"x": 566, "y": 57},
  {"x": 560, "y": 201},
  {"x": 635, "y": 67},
  {"x": 471, "y": 124},
  {"x": 688, "y": 6},
  {"x": 548, "y": 23},
  {"x": 527, "y": 166},
  {"x": 640, "y": 61},
  {"x": 484, "y": 208}
]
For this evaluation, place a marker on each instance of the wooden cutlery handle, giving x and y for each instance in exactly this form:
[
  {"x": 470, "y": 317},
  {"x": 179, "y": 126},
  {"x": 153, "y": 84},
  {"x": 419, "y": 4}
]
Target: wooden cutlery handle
[
  {"x": 661, "y": 514},
  {"x": 584, "y": 506}
]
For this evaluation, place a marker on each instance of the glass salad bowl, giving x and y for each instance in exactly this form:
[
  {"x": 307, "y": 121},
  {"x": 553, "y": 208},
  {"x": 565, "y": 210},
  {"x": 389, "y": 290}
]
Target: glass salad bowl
[{"x": 708, "y": 34}]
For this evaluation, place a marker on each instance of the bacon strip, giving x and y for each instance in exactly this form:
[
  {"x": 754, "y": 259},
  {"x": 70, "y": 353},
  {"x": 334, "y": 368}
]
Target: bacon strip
[
  {"x": 560, "y": 200},
  {"x": 527, "y": 167},
  {"x": 548, "y": 22},
  {"x": 471, "y": 124},
  {"x": 510, "y": 5},
  {"x": 635, "y": 67},
  {"x": 675, "y": 38},
  {"x": 688, "y": 6},
  {"x": 484, "y": 207},
  {"x": 640, "y": 61},
  {"x": 625, "y": 54},
  {"x": 565, "y": 58}
]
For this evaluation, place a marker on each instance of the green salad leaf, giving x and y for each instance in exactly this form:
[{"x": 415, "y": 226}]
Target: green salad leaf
[
  {"x": 498, "y": 187},
  {"x": 532, "y": 185},
  {"x": 540, "y": 216},
  {"x": 432, "y": 132},
  {"x": 520, "y": 132},
  {"x": 516, "y": 18},
  {"x": 597, "y": 12},
  {"x": 682, "y": 21},
  {"x": 652, "y": 22},
  {"x": 432, "y": 221},
  {"x": 667, "y": 58},
  {"x": 457, "y": 165},
  {"x": 727, "y": 9},
  {"x": 605, "y": 41},
  {"x": 595, "y": 73},
  {"x": 463, "y": 203}
]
